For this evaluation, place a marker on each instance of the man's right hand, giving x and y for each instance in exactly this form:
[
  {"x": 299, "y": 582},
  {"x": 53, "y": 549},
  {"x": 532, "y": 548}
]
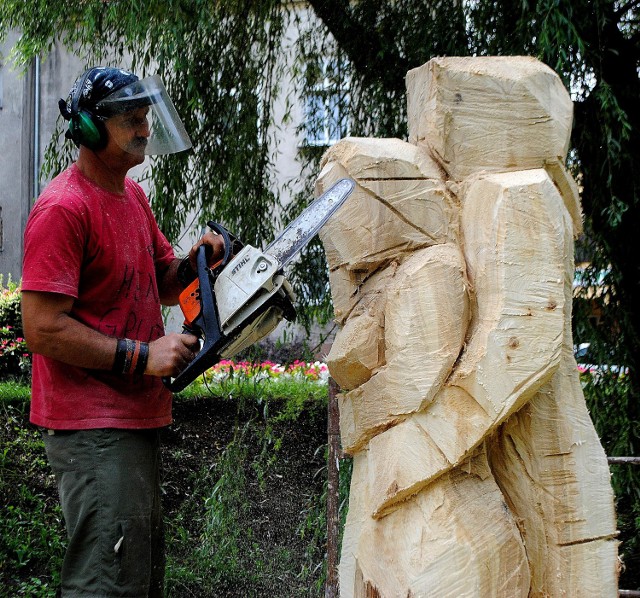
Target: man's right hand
[{"x": 170, "y": 354}]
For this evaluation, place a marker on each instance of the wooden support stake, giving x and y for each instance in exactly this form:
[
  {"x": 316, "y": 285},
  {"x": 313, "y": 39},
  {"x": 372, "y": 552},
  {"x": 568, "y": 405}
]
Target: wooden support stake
[{"x": 333, "y": 490}]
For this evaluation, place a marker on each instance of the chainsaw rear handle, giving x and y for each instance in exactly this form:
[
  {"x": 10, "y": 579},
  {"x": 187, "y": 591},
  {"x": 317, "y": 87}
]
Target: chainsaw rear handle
[{"x": 206, "y": 324}]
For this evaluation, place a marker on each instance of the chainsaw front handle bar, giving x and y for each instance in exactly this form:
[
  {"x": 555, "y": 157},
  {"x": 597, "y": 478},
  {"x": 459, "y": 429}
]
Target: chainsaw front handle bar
[{"x": 228, "y": 247}]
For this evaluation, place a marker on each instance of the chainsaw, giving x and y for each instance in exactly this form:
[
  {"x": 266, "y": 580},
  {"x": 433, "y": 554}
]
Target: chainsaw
[{"x": 242, "y": 298}]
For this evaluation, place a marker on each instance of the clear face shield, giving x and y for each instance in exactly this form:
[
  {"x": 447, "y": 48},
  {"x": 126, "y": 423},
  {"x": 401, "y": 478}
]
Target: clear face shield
[{"x": 143, "y": 120}]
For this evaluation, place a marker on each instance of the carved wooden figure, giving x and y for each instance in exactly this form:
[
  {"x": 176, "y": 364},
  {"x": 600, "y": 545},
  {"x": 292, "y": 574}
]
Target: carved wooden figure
[{"x": 476, "y": 468}]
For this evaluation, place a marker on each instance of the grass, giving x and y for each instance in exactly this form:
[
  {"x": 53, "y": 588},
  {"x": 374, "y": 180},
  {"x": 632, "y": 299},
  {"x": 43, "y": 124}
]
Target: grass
[
  {"x": 245, "y": 511},
  {"x": 12, "y": 391}
]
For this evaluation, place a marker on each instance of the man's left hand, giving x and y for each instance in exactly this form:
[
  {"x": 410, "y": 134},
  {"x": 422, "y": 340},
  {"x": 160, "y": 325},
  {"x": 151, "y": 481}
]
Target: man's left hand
[{"x": 214, "y": 255}]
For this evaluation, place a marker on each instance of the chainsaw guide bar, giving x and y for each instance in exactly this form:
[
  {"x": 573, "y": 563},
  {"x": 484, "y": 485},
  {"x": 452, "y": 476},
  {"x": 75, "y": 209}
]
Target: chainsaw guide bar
[
  {"x": 299, "y": 232},
  {"x": 241, "y": 299}
]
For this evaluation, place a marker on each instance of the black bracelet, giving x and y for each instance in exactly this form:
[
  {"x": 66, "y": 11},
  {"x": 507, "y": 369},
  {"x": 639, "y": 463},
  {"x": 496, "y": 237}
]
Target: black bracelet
[
  {"x": 121, "y": 355},
  {"x": 185, "y": 274}
]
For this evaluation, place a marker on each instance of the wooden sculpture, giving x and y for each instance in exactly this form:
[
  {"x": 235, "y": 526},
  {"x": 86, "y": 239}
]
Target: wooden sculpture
[{"x": 476, "y": 468}]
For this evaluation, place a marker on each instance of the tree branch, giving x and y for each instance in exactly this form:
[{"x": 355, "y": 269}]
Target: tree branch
[{"x": 364, "y": 44}]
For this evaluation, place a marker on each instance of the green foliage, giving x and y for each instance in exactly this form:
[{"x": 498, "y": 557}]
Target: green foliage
[
  {"x": 220, "y": 539},
  {"x": 315, "y": 523},
  {"x": 14, "y": 390},
  {"x": 229, "y": 555},
  {"x": 31, "y": 534},
  {"x": 218, "y": 558},
  {"x": 284, "y": 350},
  {"x": 15, "y": 360},
  {"x": 10, "y": 311}
]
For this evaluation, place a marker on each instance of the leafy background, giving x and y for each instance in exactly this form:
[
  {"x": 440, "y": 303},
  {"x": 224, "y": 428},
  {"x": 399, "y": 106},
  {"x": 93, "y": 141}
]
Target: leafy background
[{"x": 223, "y": 65}]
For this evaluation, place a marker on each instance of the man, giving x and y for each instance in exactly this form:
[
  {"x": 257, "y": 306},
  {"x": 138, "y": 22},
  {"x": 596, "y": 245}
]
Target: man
[{"x": 96, "y": 271}]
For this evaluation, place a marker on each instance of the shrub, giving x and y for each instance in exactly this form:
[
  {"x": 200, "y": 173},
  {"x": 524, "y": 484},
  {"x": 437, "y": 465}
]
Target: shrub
[
  {"x": 15, "y": 359},
  {"x": 10, "y": 311}
]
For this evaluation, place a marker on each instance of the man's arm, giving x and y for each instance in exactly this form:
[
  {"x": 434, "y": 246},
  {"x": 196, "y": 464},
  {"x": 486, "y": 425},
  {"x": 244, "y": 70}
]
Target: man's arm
[
  {"x": 169, "y": 287},
  {"x": 50, "y": 330}
]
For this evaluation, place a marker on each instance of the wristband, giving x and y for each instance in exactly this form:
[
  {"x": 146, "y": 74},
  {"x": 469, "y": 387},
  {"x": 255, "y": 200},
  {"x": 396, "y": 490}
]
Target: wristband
[
  {"x": 143, "y": 357},
  {"x": 121, "y": 354},
  {"x": 131, "y": 357}
]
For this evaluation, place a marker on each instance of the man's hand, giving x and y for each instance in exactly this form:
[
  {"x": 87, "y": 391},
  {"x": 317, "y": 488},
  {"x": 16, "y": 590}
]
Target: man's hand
[
  {"x": 214, "y": 242},
  {"x": 170, "y": 354},
  {"x": 171, "y": 282}
]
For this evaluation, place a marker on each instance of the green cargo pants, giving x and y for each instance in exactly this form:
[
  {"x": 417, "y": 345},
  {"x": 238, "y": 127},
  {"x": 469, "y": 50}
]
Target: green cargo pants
[{"x": 109, "y": 486}]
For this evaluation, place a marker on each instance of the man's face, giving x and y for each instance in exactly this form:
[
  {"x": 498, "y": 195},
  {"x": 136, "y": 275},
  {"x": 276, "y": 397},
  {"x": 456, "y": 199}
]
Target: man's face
[{"x": 129, "y": 131}]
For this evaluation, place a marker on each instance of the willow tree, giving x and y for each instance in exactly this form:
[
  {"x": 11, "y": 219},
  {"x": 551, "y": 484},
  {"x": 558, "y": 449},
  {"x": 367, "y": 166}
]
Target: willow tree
[
  {"x": 223, "y": 65},
  {"x": 219, "y": 62}
]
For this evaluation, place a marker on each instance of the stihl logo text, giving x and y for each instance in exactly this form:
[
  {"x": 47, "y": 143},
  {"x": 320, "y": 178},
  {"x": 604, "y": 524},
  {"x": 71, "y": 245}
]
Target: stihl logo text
[{"x": 239, "y": 265}]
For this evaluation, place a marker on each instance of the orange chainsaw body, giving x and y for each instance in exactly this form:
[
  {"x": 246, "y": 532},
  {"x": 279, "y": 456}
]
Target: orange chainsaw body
[
  {"x": 190, "y": 304},
  {"x": 189, "y": 299}
]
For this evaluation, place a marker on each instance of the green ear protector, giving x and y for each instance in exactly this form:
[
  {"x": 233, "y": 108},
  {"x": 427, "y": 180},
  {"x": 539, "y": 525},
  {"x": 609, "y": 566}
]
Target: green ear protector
[{"x": 84, "y": 127}]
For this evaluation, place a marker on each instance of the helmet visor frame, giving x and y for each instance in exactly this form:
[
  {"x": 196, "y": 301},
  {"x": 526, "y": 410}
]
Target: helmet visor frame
[{"x": 162, "y": 133}]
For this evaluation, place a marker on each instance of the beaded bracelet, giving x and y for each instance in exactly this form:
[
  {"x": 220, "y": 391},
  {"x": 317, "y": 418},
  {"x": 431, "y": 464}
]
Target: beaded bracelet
[{"x": 131, "y": 357}]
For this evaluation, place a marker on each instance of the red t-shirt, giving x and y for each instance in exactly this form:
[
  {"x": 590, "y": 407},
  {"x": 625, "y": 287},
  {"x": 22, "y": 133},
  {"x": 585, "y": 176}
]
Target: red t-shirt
[{"x": 103, "y": 249}]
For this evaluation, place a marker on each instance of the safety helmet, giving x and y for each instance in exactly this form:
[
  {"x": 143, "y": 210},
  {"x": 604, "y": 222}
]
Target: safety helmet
[{"x": 102, "y": 93}]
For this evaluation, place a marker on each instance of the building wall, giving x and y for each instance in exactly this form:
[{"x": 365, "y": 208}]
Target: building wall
[
  {"x": 28, "y": 113},
  {"x": 15, "y": 165}
]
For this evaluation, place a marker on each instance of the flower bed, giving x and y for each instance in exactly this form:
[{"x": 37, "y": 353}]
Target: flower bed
[
  {"x": 15, "y": 360},
  {"x": 303, "y": 371}
]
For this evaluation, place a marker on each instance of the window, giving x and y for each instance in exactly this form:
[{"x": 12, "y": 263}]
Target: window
[{"x": 326, "y": 106}]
